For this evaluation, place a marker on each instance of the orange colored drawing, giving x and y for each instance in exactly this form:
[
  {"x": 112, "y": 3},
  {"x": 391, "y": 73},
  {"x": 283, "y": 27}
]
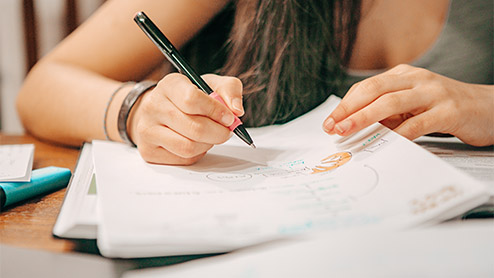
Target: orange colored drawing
[{"x": 332, "y": 162}]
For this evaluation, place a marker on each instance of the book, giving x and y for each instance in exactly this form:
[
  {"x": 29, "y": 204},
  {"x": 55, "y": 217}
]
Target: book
[
  {"x": 78, "y": 217},
  {"x": 299, "y": 181}
]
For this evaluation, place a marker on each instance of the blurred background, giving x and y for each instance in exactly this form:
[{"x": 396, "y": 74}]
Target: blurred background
[{"x": 28, "y": 30}]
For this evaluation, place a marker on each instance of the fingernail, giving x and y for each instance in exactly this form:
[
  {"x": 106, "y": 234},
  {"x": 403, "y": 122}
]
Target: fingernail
[
  {"x": 328, "y": 125},
  {"x": 227, "y": 119},
  {"x": 237, "y": 105},
  {"x": 343, "y": 126}
]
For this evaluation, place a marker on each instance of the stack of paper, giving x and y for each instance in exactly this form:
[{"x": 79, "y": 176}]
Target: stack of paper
[{"x": 299, "y": 180}]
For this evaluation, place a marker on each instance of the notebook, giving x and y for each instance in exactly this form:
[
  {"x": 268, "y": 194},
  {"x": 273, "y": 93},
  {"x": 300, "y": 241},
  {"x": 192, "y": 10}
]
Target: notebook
[{"x": 299, "y": 181}]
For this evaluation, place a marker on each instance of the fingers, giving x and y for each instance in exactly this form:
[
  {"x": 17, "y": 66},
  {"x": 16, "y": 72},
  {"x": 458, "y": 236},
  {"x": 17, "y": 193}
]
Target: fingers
[
  {"x": 409, "y": 100},
  {"x": 230, "y": 89},
  {"x": 384, "y": 107},
  {"x": 190, "y": 100},
  {"x": 194, "y": 114},
  {"x": 420, "y": 124},
  {"x": 394, "y": 121},
  {"x": 159, "y": 155},
  {"x": 176, "y": 123},
  {"x": 164, "y": 145},
  {"x": 380, "y": 93},
  {"x": 193, "y": 127},
  {"x": 368, "y": 90}
]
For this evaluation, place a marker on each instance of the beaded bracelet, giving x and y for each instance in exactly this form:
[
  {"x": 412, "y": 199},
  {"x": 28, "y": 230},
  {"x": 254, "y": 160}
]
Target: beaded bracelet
[
  {"x": 127, "y": 104},
  {"x": 108, "y": 106}
]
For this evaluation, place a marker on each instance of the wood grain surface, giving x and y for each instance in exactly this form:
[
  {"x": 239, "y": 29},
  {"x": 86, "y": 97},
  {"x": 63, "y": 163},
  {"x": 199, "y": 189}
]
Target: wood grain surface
[{"x": 29, "y": 224}]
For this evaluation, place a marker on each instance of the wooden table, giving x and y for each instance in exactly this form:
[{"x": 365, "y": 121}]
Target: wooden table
[
  {"x": 29, "y": 224},
  {"x": 27, "y": 227}
]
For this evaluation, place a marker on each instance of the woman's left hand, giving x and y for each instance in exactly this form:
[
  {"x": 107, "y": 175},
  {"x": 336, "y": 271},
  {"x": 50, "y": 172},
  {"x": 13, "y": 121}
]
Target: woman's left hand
[{"x": 414, "y": 102}]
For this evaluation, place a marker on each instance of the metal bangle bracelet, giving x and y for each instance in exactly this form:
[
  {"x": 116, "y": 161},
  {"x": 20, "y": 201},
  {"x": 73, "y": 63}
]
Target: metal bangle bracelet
[
  {"x": 105, "y": 130},
  {"x": 127, "y": 104}
]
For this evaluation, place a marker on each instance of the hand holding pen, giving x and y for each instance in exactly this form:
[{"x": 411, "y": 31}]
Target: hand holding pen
[{"x": 177, "y": 123}]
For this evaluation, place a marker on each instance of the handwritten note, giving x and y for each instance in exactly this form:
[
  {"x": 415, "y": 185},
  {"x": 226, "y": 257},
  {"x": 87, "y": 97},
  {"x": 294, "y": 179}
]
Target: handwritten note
[{"x": 16, "y": 162}]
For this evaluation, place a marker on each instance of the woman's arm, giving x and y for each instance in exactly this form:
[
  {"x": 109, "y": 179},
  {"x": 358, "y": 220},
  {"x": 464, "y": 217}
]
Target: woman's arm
[
  {"x": 415, "y": 102},
  {"x": 64, "y": 97}
]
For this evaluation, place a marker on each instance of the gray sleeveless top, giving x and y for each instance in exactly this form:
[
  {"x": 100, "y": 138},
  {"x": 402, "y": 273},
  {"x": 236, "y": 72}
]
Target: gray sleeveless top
[{"x": 464, "y": 49}]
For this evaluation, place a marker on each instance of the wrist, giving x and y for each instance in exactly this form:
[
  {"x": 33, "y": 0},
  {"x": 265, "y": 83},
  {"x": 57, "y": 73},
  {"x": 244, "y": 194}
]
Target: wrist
[
  {"x": 132, "y": 121},
  {"x": 112, "y": 109},
  {"x": 127, "y": 104}
]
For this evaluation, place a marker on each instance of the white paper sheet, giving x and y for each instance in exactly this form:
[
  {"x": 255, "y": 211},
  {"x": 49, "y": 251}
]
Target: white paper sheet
[
  {"x": 462, "y": 249},
  {"x": 298, "y": 180},
  {"x": 475, "y": 161},
  {"x": 16, "y": 162}
]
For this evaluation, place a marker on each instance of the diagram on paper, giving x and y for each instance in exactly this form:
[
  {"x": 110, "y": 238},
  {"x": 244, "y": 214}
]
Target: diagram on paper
[
  {"x": 285, "y": 170},
  {"x": 319, "y": 180}
]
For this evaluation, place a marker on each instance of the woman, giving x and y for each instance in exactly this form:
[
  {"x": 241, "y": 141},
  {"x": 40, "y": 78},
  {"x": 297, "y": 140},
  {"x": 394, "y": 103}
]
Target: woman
[{"x": 288, "y": 55}]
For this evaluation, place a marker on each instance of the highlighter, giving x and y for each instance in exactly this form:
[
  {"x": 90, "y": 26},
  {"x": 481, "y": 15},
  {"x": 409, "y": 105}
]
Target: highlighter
[{"x": 43, "y": 180}]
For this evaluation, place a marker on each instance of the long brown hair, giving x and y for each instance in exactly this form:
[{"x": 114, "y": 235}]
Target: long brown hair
[{"x": 289, "y": 54}]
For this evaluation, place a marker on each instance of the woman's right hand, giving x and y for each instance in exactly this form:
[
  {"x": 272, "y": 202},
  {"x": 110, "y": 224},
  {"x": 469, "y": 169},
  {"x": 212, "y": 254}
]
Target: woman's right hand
[{"x": 176, "y": 123}]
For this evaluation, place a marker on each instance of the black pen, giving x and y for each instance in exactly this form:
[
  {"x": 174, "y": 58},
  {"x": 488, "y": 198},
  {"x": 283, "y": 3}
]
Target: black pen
[{"x": 177, "y": 60}]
